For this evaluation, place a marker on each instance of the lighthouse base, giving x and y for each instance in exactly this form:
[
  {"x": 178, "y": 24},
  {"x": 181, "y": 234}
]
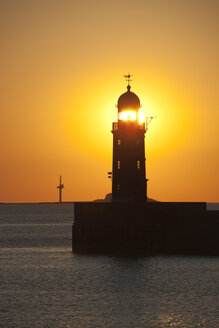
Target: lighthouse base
[{"x": 145, "y": 229}]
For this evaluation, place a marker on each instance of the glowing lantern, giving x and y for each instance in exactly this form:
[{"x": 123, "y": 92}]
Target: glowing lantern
[
  {"x": 127, "y": 115},
  {"x": 129, "y": 108}
]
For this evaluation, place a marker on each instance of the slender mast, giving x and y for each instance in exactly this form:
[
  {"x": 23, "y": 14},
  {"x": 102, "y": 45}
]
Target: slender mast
[{"x": 60, "y": 187}]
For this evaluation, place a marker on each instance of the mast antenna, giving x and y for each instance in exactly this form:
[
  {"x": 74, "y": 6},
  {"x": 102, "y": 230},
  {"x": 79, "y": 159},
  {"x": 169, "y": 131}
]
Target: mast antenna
[{"x": 60, "y": 187}]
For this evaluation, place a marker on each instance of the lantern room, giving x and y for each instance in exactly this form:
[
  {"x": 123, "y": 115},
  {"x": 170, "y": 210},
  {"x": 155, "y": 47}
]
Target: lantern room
[{"x": 129, "y": 107}]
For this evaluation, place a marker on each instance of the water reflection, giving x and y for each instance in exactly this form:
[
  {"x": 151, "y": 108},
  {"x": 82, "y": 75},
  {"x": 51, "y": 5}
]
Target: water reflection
[{"x": 44, "y": 285}]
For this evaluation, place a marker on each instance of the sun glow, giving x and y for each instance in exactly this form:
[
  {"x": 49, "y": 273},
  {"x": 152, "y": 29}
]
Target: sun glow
[
  {"x": 131, "y": 115},
  {"x": 141, "y": 116},
  {"x": 128, "y": 115}
]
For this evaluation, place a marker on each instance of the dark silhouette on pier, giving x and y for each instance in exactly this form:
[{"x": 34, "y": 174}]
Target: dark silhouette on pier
[{"x": 60, "y": 187}]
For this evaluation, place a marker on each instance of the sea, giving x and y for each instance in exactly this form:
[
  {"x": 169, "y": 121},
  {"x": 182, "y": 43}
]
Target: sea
[{"x": 43, "y": 284}]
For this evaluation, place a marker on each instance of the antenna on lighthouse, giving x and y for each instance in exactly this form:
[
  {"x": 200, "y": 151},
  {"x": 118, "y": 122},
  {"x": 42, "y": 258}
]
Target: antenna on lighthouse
[
  {"x": 60, "y": 187},
  {"x": 148, "y": 121}
]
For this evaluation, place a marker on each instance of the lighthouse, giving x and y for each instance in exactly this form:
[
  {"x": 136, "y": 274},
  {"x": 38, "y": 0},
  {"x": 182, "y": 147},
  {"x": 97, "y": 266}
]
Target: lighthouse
[
  {"x": 129, "y": 183},
  {"x": 129, "y": 225}
]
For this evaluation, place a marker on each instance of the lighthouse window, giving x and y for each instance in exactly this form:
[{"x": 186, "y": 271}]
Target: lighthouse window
[
  {"x": 119, "y": 142},
  {"x": 138, "y": 142},
  {"x": 138, "y": 165},
  {"x": 118, "y": 165},
  {"x": 118, "y": 187}
]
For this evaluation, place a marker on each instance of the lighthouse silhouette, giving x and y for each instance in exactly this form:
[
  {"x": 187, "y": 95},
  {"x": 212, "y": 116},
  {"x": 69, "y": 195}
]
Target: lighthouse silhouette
[
  {"x": 129, "y": 225},
  {"x": 129, "y": 183}
]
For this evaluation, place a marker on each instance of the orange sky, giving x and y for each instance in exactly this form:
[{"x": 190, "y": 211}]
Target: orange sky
[{"x": 61, "y": 65}]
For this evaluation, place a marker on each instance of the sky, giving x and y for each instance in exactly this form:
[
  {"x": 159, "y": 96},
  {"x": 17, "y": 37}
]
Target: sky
[{"x": 61, "y": 74}]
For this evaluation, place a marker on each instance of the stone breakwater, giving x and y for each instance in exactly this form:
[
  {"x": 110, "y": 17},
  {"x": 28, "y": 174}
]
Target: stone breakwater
[{"x": 145, "y": 229}]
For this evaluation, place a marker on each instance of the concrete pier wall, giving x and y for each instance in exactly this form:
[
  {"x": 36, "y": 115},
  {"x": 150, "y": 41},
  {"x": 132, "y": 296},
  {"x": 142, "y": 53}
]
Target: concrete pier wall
[{"x": 145, "y": 229}]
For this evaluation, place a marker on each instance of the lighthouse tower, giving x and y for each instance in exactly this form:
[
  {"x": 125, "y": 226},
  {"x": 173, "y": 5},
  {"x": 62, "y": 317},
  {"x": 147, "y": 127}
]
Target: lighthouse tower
[{"x": 129, "y": 183}]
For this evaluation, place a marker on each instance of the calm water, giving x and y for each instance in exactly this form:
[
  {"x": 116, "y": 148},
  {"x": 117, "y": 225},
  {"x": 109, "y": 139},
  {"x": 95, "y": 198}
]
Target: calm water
[{"x": 44, "y": 285}]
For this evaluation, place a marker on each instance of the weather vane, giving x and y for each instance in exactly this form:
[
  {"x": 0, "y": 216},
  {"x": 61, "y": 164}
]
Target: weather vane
[{"x": 127, "y": 77}]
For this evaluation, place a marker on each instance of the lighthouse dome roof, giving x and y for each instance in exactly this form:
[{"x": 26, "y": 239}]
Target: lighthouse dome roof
[{"x": 128, "y": 100}]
